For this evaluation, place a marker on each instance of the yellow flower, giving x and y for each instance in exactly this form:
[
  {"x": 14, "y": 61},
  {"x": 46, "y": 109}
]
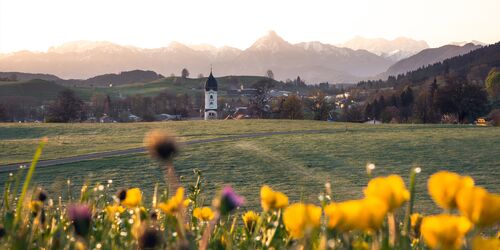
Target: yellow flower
[
  {"x": 133, "y": 198},
  {"x": 480, "y": 243},
  {"x": 271, "y": 199},
  {"x": 366, "y": 214},
  {"x": 203, "y": 214},
  {"x": 444, "y": 186},
  {"x": 416, "y": 222},
  {"x": 174, "y": 204},
  {"x": 390, "y": 189},
  {"x": 300, "y": 218},
  {"x": 36, "y": 206},
  {"x": 111, "y": 211},
  {"x": 479, "y": 206},
  {"x": 250, "y": 219},
  {"x": 445, "y": 231}
]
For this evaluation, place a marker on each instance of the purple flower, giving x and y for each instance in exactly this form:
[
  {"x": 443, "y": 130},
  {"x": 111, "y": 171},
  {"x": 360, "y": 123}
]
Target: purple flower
[
  {"x": 81, "y": 216},
  {"x": 230, "y": 200}
]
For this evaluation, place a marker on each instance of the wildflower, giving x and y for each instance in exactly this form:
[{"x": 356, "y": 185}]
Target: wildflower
[
  {"x": 270, "y": 199},
  {"x": 203, "y": 214},
  {"x": 445, "y": 231},
  {"x": 479, "y": 206},
  {"x": 444, "y": 186},
  {"x": 174, "y": 204},
  {"x": 41, "y": 196},
  {"x": 416, "y": 222},
  {"x": 36, "y": 206},
  {"x": 161, "y": 145},
  {"x": 81, "y": 217},
  {"x": 480, "y": 243},
  {"x": 366, "y": 214},
  {"x": 150, "y": 238},
  {"x": 250, "y": 219},
  {"x": 300, "y": 218},
  {"x": 131, "y": 197},
  {"x": 390, "y": 189},
  {"x": 111, "y": 211},
  {"x": 229, "y": 200}
]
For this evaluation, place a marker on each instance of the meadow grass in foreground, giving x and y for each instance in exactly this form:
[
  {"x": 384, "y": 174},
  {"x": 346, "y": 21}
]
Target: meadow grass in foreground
[
  {"x": 300, "y": 164},
  {"x": 178, "y": 218}
]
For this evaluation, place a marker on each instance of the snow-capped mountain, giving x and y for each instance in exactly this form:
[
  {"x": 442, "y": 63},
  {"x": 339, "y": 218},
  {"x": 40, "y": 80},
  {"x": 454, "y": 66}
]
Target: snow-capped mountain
[{"x": 395, "y": 50}]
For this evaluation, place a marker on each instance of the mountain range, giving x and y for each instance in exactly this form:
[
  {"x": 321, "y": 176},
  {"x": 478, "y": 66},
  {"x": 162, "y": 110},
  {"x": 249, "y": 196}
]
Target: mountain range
[{"x": 313, "y": 61}]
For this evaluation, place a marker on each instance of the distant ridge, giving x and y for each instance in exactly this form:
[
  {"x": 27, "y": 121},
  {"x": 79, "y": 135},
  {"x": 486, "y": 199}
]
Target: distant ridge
[{"x": 313, "y": 61}]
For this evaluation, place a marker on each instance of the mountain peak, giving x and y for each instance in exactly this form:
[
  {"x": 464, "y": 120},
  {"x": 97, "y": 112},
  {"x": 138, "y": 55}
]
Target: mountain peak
[{"x": 270, "y": 42}]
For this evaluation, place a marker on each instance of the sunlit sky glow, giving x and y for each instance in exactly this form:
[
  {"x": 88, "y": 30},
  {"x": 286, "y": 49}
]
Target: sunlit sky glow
[{"x": 39, "y": 24}]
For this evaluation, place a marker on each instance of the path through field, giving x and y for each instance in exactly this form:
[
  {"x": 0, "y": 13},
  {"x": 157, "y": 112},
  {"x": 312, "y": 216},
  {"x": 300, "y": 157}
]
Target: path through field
[{"x": 78, "y": 158}]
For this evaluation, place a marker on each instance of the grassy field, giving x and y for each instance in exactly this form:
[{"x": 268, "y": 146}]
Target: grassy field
[{"x": 296, "y": 164}]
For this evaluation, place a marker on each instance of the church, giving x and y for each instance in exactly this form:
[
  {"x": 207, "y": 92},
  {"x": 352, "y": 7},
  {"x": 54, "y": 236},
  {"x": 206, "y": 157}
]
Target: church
[{"x": 211, "y": 98}]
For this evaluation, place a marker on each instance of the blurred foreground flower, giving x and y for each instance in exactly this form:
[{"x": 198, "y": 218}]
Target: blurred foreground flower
[
  {"x": 445, "y": 231},
  {"x": 390, "y": 189},
  {"x": 81, "y": 216},
  {"x": 300, "y": 218},
  {"x": 203, "y": 214},
  {"x": 270, "y": 199},
  {"x": 366, "y": 214},
  {"x": 444, "y": 186},
  {"x": 479, "y": 206},
  {"x": 229, "y": 200},
  {"x": 113, "y": 210},
  {"x": 250, "y": 219},
  {"x": 160, "y": 145},
  {"x": 480, "y": 243},
  {"x": 131, "y": 197},
  {"x": 174, "y": 204},
  {"x": 150, "y": 238}
]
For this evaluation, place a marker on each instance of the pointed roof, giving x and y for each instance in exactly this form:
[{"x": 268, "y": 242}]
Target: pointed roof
[{"x": 211, "y": 83}]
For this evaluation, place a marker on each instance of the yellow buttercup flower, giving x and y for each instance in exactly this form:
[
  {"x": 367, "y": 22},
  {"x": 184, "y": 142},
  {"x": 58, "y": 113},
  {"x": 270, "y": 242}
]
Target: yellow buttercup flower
[
  {"x": 416, "y": 222},
  {"x": 480, "y": 243},
  {"x": 250, "y": 219},
  {"x": 445, "y": 231},
  {"x": 111, "y": 211},
  {"x": 271, "y": 199},
  {"x": 35, "y": 206},
  {"x": 203, "y": 214},
  {"x": 133, "y": 198},
  {"x": 444, "y": 186},
  {"x": 479, "y": 206},
  {"x": 174, "y": 204},
  {"x": 390, "y": 189},
  {"x": 366, "y": 214},
  {"x": 300, "y": 218}
]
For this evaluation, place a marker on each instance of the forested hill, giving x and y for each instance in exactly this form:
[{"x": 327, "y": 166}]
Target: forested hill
[{"x": 473, "y": 66}]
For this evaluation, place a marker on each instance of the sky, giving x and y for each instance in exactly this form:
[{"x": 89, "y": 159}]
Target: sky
[{"x": 40, "y": 24}]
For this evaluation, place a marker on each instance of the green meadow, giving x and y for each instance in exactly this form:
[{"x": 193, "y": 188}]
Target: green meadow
[{"x": 297, "y": 164}]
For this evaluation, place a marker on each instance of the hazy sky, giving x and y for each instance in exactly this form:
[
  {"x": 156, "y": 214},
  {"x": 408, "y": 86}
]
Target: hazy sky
[{"x": 39, "y": 24}]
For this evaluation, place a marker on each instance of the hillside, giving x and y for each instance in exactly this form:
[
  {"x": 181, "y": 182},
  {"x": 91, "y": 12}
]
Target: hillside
[
  {"x": 427, "y": 57},
  {"x": 35, "y": 90},
  {"x": 313, "y": 61},
  {"x": 473, "y": 66}
]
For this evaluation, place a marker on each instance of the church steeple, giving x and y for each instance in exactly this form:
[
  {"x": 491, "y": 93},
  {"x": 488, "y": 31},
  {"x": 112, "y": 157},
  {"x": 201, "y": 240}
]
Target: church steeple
[{"x": 211, "y": 97}]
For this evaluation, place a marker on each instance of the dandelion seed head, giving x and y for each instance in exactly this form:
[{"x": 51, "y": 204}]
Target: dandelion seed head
[
  {"x": 174, "y": 234},
  {"x": 110, "y": 181},
  {"x": 101, "y": 187},
  {"x": 418, "y": 170},
  {"x": 98, "y": 245},
  {"x": 130, "y": 221}
]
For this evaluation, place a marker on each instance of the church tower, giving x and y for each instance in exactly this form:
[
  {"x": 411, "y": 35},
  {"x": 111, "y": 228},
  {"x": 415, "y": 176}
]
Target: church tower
[{"x": 211, "y": 97}]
